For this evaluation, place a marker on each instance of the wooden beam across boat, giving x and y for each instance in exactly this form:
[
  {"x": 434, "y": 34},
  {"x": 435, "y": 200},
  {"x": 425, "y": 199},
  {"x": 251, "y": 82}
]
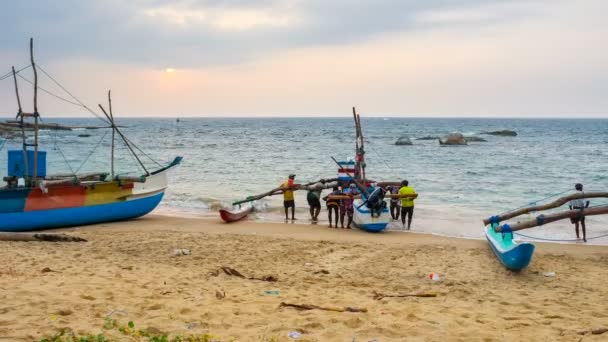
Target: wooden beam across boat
[
  {"x": 557, "y": 203},
  {"x": 393, "y": 196},
  {"x": 326, "y": 184},
  {"x": 544, "y": 219}
]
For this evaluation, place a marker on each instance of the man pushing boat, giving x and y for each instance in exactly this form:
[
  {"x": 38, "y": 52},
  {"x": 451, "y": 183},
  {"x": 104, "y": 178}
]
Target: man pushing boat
[
  {"x": 579, "y": 204},
  {"x": 288, "y": 200},
  {"x": 407, "y": 204}
]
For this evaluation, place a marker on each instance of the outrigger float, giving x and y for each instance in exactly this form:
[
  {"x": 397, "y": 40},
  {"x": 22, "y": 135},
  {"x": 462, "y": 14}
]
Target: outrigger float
[
  {"x": 516, "y": 255},
  {"x": 33, "y": 200},
  {"x": 371, "y": 211}
]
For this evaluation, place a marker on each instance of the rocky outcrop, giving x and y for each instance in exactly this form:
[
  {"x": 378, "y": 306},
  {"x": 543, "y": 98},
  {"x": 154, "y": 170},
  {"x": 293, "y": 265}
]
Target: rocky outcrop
[
  {"x": 453, "y": 139},
  {"x": 503, "y": 133},
  {"x": 474, "y": 139},
  {"x": 404, "y": 141}
]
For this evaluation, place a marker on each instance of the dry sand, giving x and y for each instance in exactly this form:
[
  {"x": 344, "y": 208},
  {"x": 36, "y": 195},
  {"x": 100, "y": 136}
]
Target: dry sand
[{"x": 127, "y": 270}]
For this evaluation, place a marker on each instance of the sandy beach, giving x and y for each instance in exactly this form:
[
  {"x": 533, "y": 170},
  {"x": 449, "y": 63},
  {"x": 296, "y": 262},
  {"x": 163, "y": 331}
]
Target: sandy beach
[{"x": 128, "y": 271}]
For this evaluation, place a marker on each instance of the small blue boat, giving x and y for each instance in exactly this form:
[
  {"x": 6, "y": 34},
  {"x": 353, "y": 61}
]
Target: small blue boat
[{"x": 512, "y": 254}]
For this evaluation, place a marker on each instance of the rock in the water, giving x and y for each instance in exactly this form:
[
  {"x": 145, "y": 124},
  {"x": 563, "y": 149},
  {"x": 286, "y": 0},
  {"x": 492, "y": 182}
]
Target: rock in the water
[
  {"x": 84, "y": 135},
  {"x": 503, "y": 133},
  {"x": 453, "y": 139},
  {"x": 428, "y": 138},
  {"x": 404, "y": 140},
  {"x": 474, "y": 139}
]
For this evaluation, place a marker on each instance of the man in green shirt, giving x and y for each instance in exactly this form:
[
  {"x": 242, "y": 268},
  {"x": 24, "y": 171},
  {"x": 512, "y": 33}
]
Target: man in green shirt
[{"x": 407, "y": 204}]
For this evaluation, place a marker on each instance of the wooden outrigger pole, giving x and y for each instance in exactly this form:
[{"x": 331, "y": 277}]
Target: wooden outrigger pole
[
  {"x": 557, "y": 203},
  {"x": 544, "y": 219}
]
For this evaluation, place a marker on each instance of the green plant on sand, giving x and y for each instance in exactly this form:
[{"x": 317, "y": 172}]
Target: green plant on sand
[{"x": 111, "y": 327}]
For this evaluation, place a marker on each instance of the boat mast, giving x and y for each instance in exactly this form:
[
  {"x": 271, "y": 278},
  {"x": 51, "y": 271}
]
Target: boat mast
[
  {"x": 113, "y": 131},
  {"x": 25, "y": 173},
  {"x": 359, "y": 152},
  {"x": 126, "y": 141},
  {"x": 35, "y": 110}
]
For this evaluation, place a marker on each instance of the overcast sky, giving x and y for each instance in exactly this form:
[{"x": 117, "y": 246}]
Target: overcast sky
[{"x": 491, "y": 58}]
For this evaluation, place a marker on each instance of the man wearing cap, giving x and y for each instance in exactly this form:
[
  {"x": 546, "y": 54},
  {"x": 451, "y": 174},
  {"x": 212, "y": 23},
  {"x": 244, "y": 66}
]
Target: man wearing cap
[{"x": 288, "y": 201}]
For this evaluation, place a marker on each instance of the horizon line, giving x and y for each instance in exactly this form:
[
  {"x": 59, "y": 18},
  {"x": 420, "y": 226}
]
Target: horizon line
[{"x": 564, "y": 117}]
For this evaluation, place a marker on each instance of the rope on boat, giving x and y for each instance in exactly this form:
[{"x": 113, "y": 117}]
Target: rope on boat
[
  {"x": 72, "y": 96},
  {"x": 10, "y": 73},
  {"x": 557, "y": 240},
  {"x": 383, "y": 161},
  {"x": 91, "y": 153},
  {"x": 2, "y": 144}
]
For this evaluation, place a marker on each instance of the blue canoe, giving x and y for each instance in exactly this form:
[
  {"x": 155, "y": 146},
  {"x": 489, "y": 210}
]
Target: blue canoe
[{"x": 514, "y": 255}]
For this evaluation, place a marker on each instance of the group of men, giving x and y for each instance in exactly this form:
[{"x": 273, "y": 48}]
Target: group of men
[{"x": 339, "y": 202}]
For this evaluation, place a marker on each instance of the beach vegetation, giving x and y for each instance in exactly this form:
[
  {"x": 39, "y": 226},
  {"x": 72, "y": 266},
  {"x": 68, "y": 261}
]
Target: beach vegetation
[{"x": 114, "y": 331}]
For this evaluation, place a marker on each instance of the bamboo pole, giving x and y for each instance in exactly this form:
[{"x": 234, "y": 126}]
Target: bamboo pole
[
  {"x": 22, "y": 124},
  {"x": 113, "y": 133},
  {"x": 544, "y": 219},
  {"x": 557, "y": 203},
  {"x": 35, "y": 171}
]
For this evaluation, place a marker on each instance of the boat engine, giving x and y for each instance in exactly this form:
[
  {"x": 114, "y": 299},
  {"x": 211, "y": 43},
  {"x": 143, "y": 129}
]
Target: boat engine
[{"x": 376, "y": 203}]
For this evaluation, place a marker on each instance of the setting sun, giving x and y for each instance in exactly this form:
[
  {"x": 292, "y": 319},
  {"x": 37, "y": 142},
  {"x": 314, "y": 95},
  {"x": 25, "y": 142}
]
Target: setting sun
[{"x": 169, "y": 70}]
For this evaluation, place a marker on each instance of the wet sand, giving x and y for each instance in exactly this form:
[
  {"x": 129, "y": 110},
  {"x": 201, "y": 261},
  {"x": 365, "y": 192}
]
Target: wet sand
[{"x": 128, "y": 271}]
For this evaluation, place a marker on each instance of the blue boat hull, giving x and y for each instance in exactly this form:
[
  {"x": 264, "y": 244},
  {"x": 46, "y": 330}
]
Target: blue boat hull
[
  {"x": 513, "y": 255},
  {"x": 53, "y": 218}
]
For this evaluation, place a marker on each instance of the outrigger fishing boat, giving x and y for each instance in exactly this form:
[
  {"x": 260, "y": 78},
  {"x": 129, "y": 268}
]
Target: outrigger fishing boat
[
  {"x": 516, "y": 255},
  {"x": 33, "y": 199},
  {"x": 371, "y": 211}
]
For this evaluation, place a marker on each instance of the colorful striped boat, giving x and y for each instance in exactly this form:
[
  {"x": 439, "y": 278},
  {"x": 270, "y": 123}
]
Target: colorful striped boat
[
  {"x": 33, "y": 200},
  {"x": 87, "y": 202}
]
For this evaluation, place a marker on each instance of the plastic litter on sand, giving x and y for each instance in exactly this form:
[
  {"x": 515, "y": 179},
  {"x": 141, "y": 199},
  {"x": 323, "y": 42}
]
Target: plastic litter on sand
[
  {"x": 549, "y": 274},
  {"x": 182, "y": 251},
  {"x": 434, "y": 276},
  {"x": 294, "y": 335}
]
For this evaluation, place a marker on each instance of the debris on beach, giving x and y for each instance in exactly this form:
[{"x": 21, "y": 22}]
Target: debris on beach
[
  {"x": 294, "y": 335},
  {"x": 549, "y": 274},
  {"x": 40, "y": 237},
  {"x": 596, "y": 331},
  {"x": 305, "y": 307},
  {"x": 234, "y": 273},
  {"x": 434, "y": 276},
  {"x": 379, "y": 296},
  {"x": 220, "y": 295},
  {"x": 182, "y": 251}
]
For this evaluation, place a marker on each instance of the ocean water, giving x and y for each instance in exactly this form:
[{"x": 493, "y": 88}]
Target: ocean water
[{"x": 229, "y": 159}]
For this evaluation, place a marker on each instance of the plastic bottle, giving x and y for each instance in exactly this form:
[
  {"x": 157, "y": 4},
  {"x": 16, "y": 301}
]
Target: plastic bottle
[{"x": 434, "y": 276}]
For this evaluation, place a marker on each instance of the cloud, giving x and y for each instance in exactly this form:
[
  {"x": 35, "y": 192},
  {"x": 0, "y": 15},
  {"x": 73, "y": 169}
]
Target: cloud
[{"x": 187, "y": 33}]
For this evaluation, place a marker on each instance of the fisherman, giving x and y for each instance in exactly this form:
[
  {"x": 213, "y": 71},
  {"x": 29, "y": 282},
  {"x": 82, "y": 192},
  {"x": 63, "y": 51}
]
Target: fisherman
[
  {"x": 346, "y": 208},
  {"x": 395, "y": 202},
  {"x": 288, "y": 200},
  {"x": 314, "y": 199},
  {"x": 407, "y": 204},
  {"x": 579, "y": 204},
  {"x": 332, "y": 205}
]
